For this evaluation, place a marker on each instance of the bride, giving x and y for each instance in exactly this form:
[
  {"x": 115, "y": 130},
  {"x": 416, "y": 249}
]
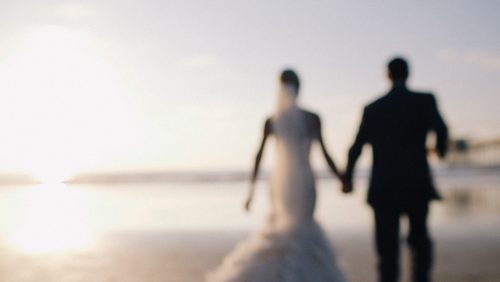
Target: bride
[{"x": 291, "y": 246}]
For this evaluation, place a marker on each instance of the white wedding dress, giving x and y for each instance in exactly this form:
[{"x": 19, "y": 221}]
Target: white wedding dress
[{"x": 291, "y": 246}]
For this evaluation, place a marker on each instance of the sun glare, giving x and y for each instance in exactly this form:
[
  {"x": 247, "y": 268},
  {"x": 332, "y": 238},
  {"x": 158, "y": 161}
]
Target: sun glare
[
  {"x": 63, "y": 105},
  {"x": 63, "y": 110},
  {"x": 49, "y": 218}
]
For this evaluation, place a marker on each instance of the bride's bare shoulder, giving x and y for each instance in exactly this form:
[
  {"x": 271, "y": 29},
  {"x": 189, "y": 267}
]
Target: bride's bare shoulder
[{"x": 268, "y": 125}]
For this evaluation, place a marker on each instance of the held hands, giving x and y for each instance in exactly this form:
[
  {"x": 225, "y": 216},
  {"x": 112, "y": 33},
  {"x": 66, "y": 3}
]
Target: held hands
[{"x": 346, "y": 184}]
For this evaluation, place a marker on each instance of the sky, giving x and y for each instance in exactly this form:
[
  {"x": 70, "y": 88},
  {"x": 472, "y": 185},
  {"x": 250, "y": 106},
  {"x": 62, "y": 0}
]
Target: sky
[{"x": 108, "y": 85}]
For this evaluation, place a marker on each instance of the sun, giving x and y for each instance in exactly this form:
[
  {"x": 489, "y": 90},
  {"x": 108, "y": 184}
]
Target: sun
[
  {"x": 51, "y": 176},
  {"x": 50, "y": 167}
]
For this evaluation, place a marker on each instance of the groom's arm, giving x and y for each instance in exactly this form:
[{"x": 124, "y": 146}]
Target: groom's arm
[
  {"x": 439, "y": 126},
  {"x": 356, "y": 148}
]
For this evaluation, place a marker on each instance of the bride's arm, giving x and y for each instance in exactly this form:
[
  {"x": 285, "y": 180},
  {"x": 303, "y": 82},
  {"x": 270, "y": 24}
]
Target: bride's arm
[
  {"x": 329, "y": 159},
  {"x": 267, "y": 131}
]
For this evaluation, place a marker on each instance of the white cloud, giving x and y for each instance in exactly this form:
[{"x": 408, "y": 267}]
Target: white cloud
[
  {"x": 448, "y": 55},
  {"x": 75, "y": 10},
  {"x": 201, "y": 60},
  {"x": 485, "y": 59}
]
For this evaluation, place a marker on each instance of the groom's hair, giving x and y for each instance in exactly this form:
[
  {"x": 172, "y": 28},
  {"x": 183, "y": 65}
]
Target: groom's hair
[
  {"x": 289, "y": 77},
  {"x": 398, "y": 68}
]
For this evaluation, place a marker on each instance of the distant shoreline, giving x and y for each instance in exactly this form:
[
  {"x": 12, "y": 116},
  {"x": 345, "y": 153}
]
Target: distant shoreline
[{"x": 223, "y": 176}]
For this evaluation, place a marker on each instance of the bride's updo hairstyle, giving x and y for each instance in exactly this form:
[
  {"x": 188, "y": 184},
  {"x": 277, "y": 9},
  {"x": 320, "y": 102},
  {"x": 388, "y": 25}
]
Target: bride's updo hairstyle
[{"x": 289, "y": 77}]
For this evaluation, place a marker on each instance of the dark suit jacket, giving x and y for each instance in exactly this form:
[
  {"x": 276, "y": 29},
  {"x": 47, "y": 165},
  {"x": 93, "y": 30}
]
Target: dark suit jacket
[{"x": 396, "y": 126}]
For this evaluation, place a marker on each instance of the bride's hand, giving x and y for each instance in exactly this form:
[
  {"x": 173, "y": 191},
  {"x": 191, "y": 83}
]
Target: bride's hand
[{"x": 248, "y": 203}]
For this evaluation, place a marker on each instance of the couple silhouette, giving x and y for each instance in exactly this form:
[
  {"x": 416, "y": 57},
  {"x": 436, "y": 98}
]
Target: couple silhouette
[{"x": 291, "y": 245}]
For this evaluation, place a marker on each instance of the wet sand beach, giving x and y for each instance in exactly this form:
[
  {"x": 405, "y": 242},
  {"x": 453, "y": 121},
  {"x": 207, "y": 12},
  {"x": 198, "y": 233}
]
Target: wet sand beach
[
  {"x": 462, "y": 256},
  {"x": 179, "y": 232}
]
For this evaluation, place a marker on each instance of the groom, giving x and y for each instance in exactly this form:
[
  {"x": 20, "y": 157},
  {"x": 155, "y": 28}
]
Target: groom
[{"x": 396, "y": 126}]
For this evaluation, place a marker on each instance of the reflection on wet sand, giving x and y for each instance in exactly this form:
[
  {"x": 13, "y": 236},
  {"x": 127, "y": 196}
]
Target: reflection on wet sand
[
  {"x": 48, "y": 218},
  {"x": 470, "y": 192},
  {"x": 469, "y": 201}
]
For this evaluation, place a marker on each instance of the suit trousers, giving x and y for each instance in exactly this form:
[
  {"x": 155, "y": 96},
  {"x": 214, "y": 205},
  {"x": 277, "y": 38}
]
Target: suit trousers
[{"x": 387, "y": 241}]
